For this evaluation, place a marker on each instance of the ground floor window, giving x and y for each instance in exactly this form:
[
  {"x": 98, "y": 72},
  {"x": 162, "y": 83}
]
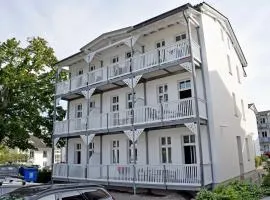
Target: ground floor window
[
  {"x": 189, "y": 149},
  {"x": 78, "y": 152},
  {"x": 130, "y": 152},
  {"x": 115, "y": 151},
  {"x": 91, "y": 149},
  {"x": 166, "y": 149}
]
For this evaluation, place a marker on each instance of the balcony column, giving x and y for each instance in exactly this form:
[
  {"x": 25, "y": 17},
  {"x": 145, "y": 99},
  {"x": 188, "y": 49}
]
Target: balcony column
[
  {"x": 101, "y": 138},
  {"x": 206, "y": 102},
  {"x": 197, "y": 120},
  {"x": 54, "y": 114}
]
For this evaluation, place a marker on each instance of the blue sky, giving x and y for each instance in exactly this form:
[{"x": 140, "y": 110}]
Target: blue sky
[{"x": 69, "y": 24}]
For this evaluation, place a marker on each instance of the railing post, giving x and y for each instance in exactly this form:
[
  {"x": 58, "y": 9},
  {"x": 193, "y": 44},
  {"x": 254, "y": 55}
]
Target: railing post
[
  {"x": 85, "y": 175},
  {"x": 107, "y": 73},
  {"x": 161, "y": 110},
  {"x": 165, "y": 176},
  {"x": 108, "y": 173},
  {"x": 107, "y": 121}
]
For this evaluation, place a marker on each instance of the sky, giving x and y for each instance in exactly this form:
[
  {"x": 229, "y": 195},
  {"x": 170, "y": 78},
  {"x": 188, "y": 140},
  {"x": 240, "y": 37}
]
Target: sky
[{"x": 68, "y": 25}]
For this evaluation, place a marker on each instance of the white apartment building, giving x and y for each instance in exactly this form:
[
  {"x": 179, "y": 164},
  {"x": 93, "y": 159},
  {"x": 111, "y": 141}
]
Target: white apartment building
[{"x": 158, "y": 105}]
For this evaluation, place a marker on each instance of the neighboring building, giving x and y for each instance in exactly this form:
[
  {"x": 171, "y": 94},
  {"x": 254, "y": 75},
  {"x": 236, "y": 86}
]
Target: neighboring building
[
  {"x": 263, "y": 121},
  {"x": 42, "y": 154},
  {"x": 173, "y": 86}
]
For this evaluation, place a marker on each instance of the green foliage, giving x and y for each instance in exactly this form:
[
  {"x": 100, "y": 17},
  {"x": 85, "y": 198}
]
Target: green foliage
[
  {"x": 233, "y": 191},
  {"x": 27, "y": 77},
  {"x": 9, "y": 156},
  {"x": 266, "y": 181},
  {"x": 44, "y": 176},
  {"x": 264, "y": 158},
  {"x": 258, "y": 161}
]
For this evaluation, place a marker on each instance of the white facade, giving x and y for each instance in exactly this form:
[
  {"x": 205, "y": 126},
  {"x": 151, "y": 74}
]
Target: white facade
[
  {"x": 192, "y": 135},
  {"x": 263, "y": 121}
]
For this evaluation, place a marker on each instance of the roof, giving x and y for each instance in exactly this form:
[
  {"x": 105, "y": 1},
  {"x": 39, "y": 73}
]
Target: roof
[
  {"x": 198, "y": 7},
  {"x": 38, "y": 190},
  {"x": 37, "y": 142},
  {"x": 265, "y": 112}
]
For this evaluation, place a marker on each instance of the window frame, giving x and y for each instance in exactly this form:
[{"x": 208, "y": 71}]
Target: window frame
[
  {"x": 45, "y": 154},
  {"x": 115, "y": 152},
  {"x": 76, "y": 150},
  {"x": 115, "y": 103},
  {"x": 91, "y": 149},
  {"x": 160, "y": 42},
  {"x": 163, "y": 93},
  {"x": 130, "y": 100},
  {"x": 166, "y": 146},
  {"x": 78, "y": 110},
  {"x": 130, "y": 149},
  {"x": 180, "y": 34},
  {"x": 179, "y": 88}
]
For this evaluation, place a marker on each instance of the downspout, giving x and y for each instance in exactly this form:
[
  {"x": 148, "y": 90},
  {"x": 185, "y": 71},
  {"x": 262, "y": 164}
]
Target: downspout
[
  {"x": 207, "y": 111},
  {"x": 196, "y": 100}
]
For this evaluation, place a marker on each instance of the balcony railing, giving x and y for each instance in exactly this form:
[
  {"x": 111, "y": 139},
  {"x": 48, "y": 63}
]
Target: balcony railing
[
  {"x": 137, "y": 63},
  {"x": 180, "y": 174},
  {"x": 264, "y": 139},
  {"x": 164, "y": 112}
]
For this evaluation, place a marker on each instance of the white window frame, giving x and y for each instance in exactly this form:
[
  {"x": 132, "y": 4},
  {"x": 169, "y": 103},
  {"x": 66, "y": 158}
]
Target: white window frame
[
  {"x": 130, "y": 149},
  {"x": 190, "y": 143},
  {"x": 91, "y": 149},
  {"x": 116, "y": 104},
  {"x": 160, "y": 42},
  {"x": 166, "y": 146},
  {"x": 116, "y": 59},
  {"x": 129, "y": 101},
  {"x": 77, "y": 148},
  {"x": 78, "y": 111},
  {"x": 234, "y": 105},
  {"x": 229, "y": 64},
  {"x": 115, "y": 151},
  {"x": 181, "y": 35},
  {"x": 243, "y": 109},
  {"x": 163, "y": 93},
  {"x": 79, "y": 72},
  {"x": 45, "y": 154},
  {"x": 186, "y": 88},
  {"x": 92, "y": 68},
  {"x": 264, "y": 134},
  {"x": 247, "y": 149},
  {"x": 92, "y": 105}
]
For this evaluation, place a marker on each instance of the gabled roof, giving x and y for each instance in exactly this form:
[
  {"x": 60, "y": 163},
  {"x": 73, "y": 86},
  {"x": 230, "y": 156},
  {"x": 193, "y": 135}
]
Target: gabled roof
[{"x": 37, "y": 143}]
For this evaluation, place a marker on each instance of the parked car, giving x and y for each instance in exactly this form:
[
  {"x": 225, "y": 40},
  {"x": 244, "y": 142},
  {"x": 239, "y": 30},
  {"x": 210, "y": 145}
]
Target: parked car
[{"x": 71, "y": 191}]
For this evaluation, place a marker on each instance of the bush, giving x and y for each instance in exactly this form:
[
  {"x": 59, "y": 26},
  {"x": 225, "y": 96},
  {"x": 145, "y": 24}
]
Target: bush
[
  {"x": 44, "y": 176},
  {"x": 266, "y": 180},
  {"x": 233, "y": 191},
  {"x": 264, "y": 158},
  {"x": 258, "y": 161}
]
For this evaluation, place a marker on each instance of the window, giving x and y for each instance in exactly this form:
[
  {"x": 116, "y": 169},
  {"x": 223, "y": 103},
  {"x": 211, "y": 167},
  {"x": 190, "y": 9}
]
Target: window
[
  {"x": 184, "y": 88},
  {"x": 262, "y": 120},
  {"x": 115, "y": 59},
  {"x": 101, "y": 63},
  {"x": 234, "y": 105},
  {"x": 222, "y": 34},
  {"x": 115, "y": 103},
  {"x": 78, "y": 112},
  {"x": 243, "y": 109},
  {"x": 115, "y": 151},
  {"x": 71, "y": 195},
  {"x": 229, "y": 64},
  {"x": 163, "y": 93},
  {"x": 189, "y": 146},
  {"x": 166, "y": 149},
  {"x": 160, "y": 44},
  {"x": 238, "y": 74},
  {"x": 44, "y": 154},
  {"x": 143, "y": 49},
  {"x": 92, "y": 68},
  {"x": 128, "y": 54},
  {"x": 129, "y": 100},
  {"x": 78, "y": 148},
  {"x": 180, "y": 37},
  {"x": 264, "y": 133},
  {"x": 91, "y": 149},
  {"x": 45, "y": 164},
  {"x": 79, "y": 72},
  {"x": 57, "y": 158},
  {"x": 96, "y": 194},
  {"x": 247, "y": 148},
  {"x": 130, "y": 152},
  {"x": 92, "y": 105},
  {"x": 32, "y": 154}
]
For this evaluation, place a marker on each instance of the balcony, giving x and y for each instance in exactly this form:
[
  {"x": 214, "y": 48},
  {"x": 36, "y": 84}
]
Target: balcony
[
  {"x": 158, "y": 175},
  {"x": 138, "y": 64},
  {"x": 147, "y": 116},
  {"x": 264, "y": 139}
]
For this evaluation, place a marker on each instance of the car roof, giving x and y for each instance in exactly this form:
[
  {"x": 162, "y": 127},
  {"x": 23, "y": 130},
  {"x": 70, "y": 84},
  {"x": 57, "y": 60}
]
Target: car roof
[{"x": 40, "y": 190}]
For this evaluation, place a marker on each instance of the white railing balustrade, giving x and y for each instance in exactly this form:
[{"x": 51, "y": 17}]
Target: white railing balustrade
[
  {"x": 178, "y": 109},
  {"x": 121, "y": 172},
  {"x": 79, "y": 81},
  {"x": 97, "y": 75},
  {"x": 77, "y": 124},
  {"x": 60, "y": 170},
  {"x": 61, "y": 127},
  {"x": 62, "y": 87},
  {"x": 119, "y": 69},
  {"x": 97, "y": 121},
  {"x": 77, "y": 171},
  {"x": 146, "y": 114},
  {"x": 120, "y": 118}
]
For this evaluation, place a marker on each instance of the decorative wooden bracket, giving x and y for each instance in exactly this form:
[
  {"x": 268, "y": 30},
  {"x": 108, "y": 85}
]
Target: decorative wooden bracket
[
  {"x": 137, "y": 134},
  {"x": 128, "y": 81}
]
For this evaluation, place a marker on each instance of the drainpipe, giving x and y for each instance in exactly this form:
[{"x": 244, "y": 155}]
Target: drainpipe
[
  {"x": 196, "y": 100},
  {"x": 206, "y": 106}
]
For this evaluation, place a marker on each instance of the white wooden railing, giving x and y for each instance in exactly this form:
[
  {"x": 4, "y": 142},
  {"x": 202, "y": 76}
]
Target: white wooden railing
[
  {"x": 60, "y": 170},
  {"x": 150, "y": 59},
  {"x": 164, "y": 112},
  {"x": 181, "y": 174}
]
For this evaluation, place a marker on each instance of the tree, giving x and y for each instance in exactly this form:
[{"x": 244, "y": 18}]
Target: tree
[{"x": 27, "y": 78}]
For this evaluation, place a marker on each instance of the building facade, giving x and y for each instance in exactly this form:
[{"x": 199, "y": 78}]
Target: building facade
[
  {"x": 159, "y": 104},
  {"x": 263, "y": 121}
]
